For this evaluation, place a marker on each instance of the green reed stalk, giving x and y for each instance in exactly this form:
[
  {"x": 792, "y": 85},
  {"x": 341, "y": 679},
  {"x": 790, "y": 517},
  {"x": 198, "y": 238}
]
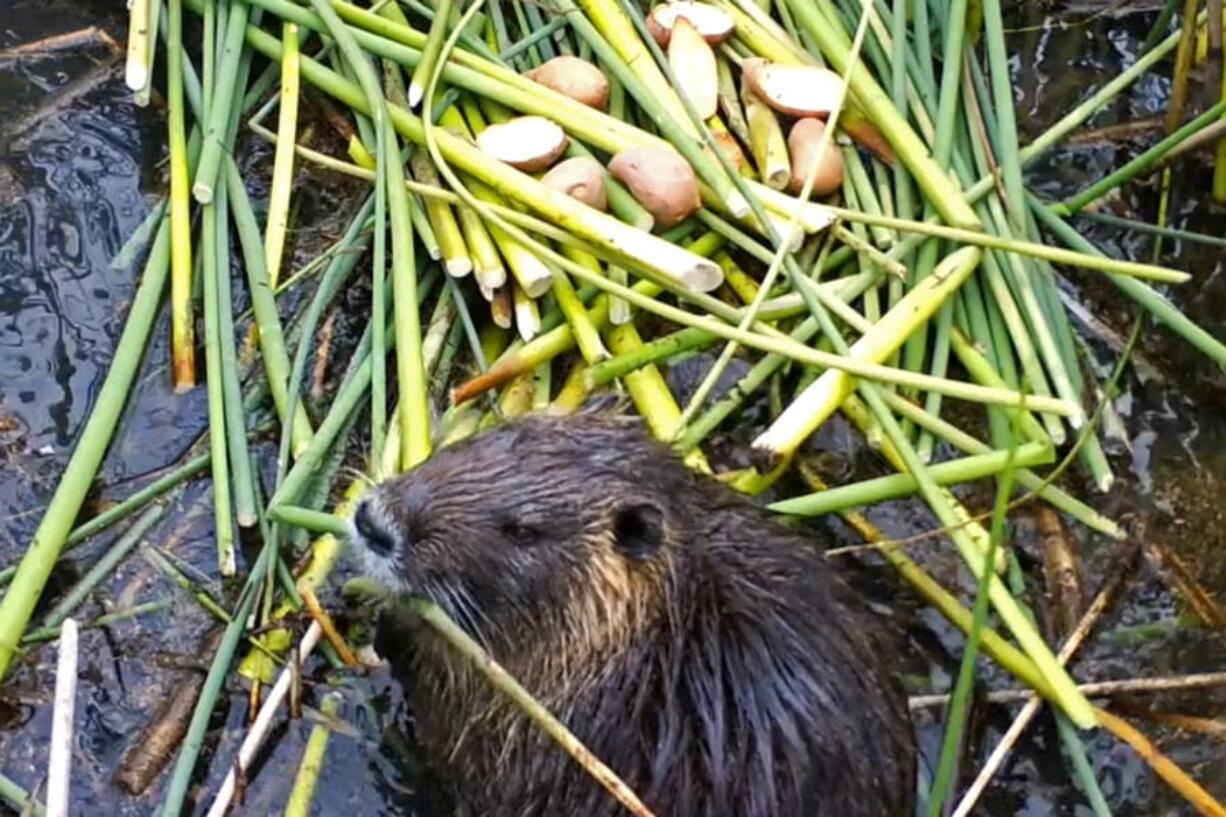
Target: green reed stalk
[
  {"x": 429, "y": 54},
  {"x": 232, "y": 392},
  {"x": 223, "y": 531},
  {"x": 1132, "y": 225},
  {"x": 952, "y": 472},
  {"x": 1161, "y": 23},
  {"x": 948, "y": 103},
  {"x": 138, "y": 499},
  {"x": 313, "y": 521},
  {"x": 42, "y": 635},
  {"x": 1056, "y": 255},
  {"x": 221, "y": 355},
  {"x": 942, "y": 787},
  {"x": 1032, "y": 284},
  {"x": 1162, "y": 309},
  {"x": 103, "y": 567},
  {"x": 513, "y": 50},
  {"x": 218, "y": 115},
  {"x": 169, "y": 569},
  {"x": 264, "y": 306},
  {"x": 1139, "y": 164},
  {"x": 1002, "y": 108}
]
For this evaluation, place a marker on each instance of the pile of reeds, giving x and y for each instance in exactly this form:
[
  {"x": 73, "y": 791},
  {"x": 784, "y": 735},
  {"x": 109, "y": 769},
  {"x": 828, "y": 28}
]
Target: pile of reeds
[{"x": 831, "y": 189}]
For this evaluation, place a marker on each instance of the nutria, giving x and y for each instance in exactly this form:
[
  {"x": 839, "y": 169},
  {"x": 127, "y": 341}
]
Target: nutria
[{"x": 701, "y": 648}]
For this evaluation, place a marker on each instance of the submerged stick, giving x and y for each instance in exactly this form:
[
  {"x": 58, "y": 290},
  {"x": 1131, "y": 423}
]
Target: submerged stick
[
  {"x": 1165, "y": 768},
  {"x": 159, "y": 739}
]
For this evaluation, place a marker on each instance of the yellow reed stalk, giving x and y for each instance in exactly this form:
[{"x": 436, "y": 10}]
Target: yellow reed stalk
[
  {"x": 824, "y": 396},
  {"x": 450, "y": 240},
  {"x": 283, "y": 158},
  {"x": 650, "y": 393},
  {"x": 182, "y": 329}
]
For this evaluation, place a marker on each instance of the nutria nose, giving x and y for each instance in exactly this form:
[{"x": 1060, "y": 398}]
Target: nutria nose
[{"x": 372, "y": 532}]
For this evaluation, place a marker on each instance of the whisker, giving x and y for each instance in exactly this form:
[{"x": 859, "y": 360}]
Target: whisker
[
  {"x": 478, "y": 611},
  {"x": 359, "y": 475}
]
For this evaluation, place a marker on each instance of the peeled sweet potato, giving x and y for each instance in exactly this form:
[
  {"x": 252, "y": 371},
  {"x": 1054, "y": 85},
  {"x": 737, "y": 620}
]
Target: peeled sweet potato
[
  {"x": 661, "y": 181},
  {"x": 802, "y": 147},
  {"x": 576, "y": 78},
  {"x": 581, "y": 178},
  {"x": 529, "y": 143}
]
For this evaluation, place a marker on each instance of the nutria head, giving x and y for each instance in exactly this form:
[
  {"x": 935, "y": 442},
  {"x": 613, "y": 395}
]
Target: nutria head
[{"x": 540, "y": 527}]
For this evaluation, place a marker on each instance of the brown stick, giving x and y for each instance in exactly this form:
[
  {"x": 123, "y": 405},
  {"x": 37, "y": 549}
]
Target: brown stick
[
  {"x": 504, "y": 371},
  {"x": 160, "y": 739},
  {"x": 322, "y": 356},
  {"x": 1213, "y": 727},
  {"x": 327, "y": 626},
  {"x": 1183, "y": 67},
  {"x": 67, "y": 41},
  {"x": 1161, "y": 764},
  {"x": 1184, "y": 581},
  {"x": 1061, "y": 572},
  {"x": 1124, "y": 131}
]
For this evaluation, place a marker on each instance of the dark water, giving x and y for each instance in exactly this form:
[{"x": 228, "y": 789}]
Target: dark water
[{"x": 80, "y": 167}]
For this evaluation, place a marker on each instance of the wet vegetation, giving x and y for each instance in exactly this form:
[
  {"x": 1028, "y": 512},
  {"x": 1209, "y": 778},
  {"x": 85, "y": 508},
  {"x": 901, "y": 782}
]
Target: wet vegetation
[{"x": 241, "y": 285}]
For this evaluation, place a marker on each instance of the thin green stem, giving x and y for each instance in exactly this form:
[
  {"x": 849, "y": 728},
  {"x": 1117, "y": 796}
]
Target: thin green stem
[
  {"x": 103, "y": 567},
  {"x": 942, "y": 787}
]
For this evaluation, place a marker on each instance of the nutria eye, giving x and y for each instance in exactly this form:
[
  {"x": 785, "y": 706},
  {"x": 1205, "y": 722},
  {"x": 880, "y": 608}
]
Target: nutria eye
[{"x": 519, "y": 533}]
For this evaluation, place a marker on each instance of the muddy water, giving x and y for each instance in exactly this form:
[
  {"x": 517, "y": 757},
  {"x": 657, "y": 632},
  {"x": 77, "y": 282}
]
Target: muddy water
[{"x": 79, "y": 168}]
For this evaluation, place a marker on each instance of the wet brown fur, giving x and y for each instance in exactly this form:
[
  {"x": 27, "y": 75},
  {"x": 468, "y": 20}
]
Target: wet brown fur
[{"x": 702, "y": 649}]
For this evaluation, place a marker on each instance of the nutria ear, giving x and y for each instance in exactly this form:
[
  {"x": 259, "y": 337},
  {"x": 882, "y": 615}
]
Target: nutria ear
[{"x": 638, "y": 529}]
